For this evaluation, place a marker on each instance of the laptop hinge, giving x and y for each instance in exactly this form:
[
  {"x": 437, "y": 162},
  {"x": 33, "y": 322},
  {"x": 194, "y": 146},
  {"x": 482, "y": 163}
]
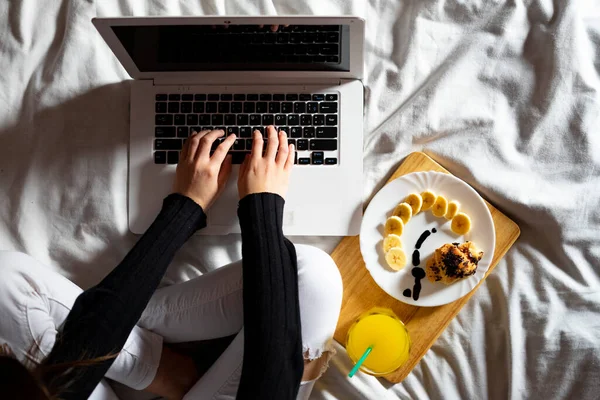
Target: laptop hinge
[{"x": 248, "y": 82}]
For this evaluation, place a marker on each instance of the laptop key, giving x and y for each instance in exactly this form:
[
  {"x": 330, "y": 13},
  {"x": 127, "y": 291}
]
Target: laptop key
[
  {"x": 167, "y": 144},
  {"x": 161, "y": 97},
  {"x": 187, "y": 97},
  {"x": 204, "y": 119},
  {"x": 317, "y": 157},
  {"x": 230, "y": 119},
  {"x": 331, "y": 97},
  {"x": 319, "y": 119},
  {"x": 223, "y": 107},
  {"x": 233, "y": 129},
  {"x": 296, "y": 132},
  {"x": 217, "y": 119},
  {"x": 179, "y": 119},
  {"x": 160, "y": 107},
  {"x": 239, "y": 97},
  {"x": 261, "y": 107},
  {"x": 254, "y": 119},
  {"x": 211, "y": 107},
  {"x": 160, "y": 157},
  {"x": 293, "y": 119},
  {"x": 183, "y": 131},
  {"x": 163, "y": 119},
  {"x": 198, "y": 107},
  {"x": 172, "y": 157},
  {"x": 299, "y": 108},
  {"x": 309, "y": 132},
  {"x": 239, "y": 144},
  {"x": 291, "y": 97},
  {"x": 245, "y": 131},
  {"x": 280, "y": 119},
  {"x": 326, "y": 132},
  {"x": 213, "y": 96},
  {"x": 237, "y": 107},
  {"x": 267, "y": 119},
  {"x": 249, "y": 107},
  {"x": 164, "y": 131},
  {"x": 285, "y": 129},
  {"x": 304, "y": 97},
  {"x": 306, "y": 119},
  {"x": 302, "y": 144},
  {"x": 312, "y": 107},
  {"x": 252, "y": 97},
  {"x": 278, "y": 97},
  {"x": 328, "y": 108},
  {"x": 192, "y": 119},
  {"x": 331, "y": 120},
  {"x": 200, "y": 97},
  {"x": 330, "y": 161},
  {"x": 287, "y": 107},
  {"x": 260, "y": 129},
  {"x": 265, "y": 97},
  {"x": 274, "y": 107},
  {"x": 324, "y": 144},
  {"x": 173, "y": 108},
  {"x": 226, "y": 97},
  {"x": 303, "y": 161},
  {"x": 174, "y": 97},
  {"x": 238, "y": 157},
  {"x": 318, "y": 97},
  {"x": 242, "y": 119}
]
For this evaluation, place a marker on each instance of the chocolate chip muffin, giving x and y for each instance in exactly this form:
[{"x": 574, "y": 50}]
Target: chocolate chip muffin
[{"x": 453, "y": 262}]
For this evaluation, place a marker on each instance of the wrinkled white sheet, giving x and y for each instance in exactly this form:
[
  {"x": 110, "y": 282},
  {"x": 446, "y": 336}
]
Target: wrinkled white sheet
[{"x": 503, "y": 93}]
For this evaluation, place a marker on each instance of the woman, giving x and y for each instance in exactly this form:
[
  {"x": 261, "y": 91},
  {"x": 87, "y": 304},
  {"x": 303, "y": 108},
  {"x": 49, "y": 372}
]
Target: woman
[{"x": 283, "y": 320}]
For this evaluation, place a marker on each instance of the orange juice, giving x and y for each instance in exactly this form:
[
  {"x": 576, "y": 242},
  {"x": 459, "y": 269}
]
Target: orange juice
[{"x": 388, "y": 337}]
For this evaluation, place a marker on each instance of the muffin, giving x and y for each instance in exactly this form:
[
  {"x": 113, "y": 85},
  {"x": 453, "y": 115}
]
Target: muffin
[{"x": 453, "y": 262}]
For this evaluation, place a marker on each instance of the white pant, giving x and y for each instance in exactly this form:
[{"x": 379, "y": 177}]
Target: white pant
[{"x": 35, "y": 301}]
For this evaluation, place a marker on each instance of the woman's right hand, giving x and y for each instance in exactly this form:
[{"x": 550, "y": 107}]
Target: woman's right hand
[{"x": 270, "y": 172}]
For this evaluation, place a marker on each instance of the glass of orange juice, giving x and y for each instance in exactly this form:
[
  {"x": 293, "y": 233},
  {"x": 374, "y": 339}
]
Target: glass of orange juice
[{"x": 382, "y": 331}]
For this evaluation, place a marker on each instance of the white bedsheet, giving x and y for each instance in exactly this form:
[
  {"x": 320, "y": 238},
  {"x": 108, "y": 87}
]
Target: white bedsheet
[{"x": 505, "y": 94}]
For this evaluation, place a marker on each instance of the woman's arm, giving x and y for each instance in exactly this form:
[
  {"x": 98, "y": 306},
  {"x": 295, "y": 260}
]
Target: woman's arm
[
  {"x": 102, "y": 317},
  {"x": 273, "y": 362}
]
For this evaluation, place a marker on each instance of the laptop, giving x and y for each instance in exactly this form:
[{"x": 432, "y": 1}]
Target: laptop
[{"x": 240, "y": 74}]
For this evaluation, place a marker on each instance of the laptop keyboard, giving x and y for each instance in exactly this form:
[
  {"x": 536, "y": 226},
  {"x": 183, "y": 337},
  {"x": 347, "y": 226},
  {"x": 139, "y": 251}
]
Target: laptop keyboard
[{"x": 310, "y": 121}]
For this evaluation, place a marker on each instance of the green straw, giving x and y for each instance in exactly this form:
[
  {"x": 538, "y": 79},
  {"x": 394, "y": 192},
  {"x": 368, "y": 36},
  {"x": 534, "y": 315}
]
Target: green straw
[{"x": 360, "y": 361}]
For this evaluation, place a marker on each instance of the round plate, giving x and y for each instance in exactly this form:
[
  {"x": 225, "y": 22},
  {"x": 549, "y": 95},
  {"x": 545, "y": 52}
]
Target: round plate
[{"x": 482, "y": 234}]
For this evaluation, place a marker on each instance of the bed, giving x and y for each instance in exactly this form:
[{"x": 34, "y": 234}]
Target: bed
[{"x": 504, "y": 94}]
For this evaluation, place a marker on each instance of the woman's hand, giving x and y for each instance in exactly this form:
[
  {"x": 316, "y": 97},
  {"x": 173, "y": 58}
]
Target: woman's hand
[
  {"x": 199, "y": 176},
  {"x": 268, "y": 173}
]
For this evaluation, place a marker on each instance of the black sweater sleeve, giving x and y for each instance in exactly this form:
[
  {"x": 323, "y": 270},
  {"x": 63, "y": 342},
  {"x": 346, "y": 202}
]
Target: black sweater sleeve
[
  {"x": 273, "y": 363},
  {"x": 103, "y": 316}
]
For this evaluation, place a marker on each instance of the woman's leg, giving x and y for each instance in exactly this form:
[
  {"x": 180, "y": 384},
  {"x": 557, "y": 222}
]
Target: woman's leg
[
  {"x": 34, "y": 303},
  {"x": 320, "y": 296}
]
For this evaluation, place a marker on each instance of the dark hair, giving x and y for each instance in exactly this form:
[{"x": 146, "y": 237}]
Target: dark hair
[{"x": 40, "y": 381}]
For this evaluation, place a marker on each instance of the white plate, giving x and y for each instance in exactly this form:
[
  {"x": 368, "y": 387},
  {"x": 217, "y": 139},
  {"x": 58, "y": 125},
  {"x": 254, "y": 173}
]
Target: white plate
[{"x": 371, "y": 236}]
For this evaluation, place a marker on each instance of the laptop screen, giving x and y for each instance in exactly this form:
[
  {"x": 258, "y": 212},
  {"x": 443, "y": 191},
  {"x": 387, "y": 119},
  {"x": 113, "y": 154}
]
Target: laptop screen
[{"x": 164, "y": 48}]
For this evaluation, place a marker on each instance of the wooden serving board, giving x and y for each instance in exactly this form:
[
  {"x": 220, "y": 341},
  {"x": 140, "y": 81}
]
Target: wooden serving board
[{"x": 424, "y": 324}]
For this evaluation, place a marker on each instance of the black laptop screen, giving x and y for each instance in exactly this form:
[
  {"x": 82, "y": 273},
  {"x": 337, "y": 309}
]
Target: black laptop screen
[{"x": 237, "y": 47}]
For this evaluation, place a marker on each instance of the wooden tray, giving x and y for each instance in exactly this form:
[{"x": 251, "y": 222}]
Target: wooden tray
[{"x": 424, "y": 324}]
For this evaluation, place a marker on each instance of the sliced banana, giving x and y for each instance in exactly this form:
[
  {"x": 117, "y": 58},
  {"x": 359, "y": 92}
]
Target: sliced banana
[
  {"x": 461, "y": 224},
  {"x": 396, "y": 258},
  {"x": 404, "y": 211},
  {"x": 453, "y": 208},
  {"x": 440, "y": 207},
  {"x": 394, "y": 225},
  {"x": 428, "y": 199},
  {"x": 415, "y": 202},
  {"x": 391, "y": 240}
]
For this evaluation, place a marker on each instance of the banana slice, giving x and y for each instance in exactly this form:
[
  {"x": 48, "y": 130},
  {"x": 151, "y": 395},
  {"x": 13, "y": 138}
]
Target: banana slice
[
  {"x": 415, "y": 202},
  {"x": 440, "y": 207},
  {"x": 453, "y": 208},
  {"x": 394, "y": 225},
  {"x": 428, "y": 199},
  {"x": 403, "y": 211},
  {"x": 390, "y": 241},
  {"x": 461, "y": 224},
  {"x": 396, "y": 258}
]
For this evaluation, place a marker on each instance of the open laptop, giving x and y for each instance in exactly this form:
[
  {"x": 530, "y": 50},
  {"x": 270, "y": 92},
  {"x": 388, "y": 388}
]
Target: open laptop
[{"x": 236, "y": 74}]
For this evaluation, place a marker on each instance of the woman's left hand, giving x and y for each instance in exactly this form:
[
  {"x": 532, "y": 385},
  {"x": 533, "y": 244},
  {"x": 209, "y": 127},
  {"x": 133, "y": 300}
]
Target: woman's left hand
[{"x": 200, "y": 176}]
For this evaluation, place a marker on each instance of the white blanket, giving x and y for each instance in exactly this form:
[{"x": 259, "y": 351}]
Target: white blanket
[{"x": 505, "y": 94}]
